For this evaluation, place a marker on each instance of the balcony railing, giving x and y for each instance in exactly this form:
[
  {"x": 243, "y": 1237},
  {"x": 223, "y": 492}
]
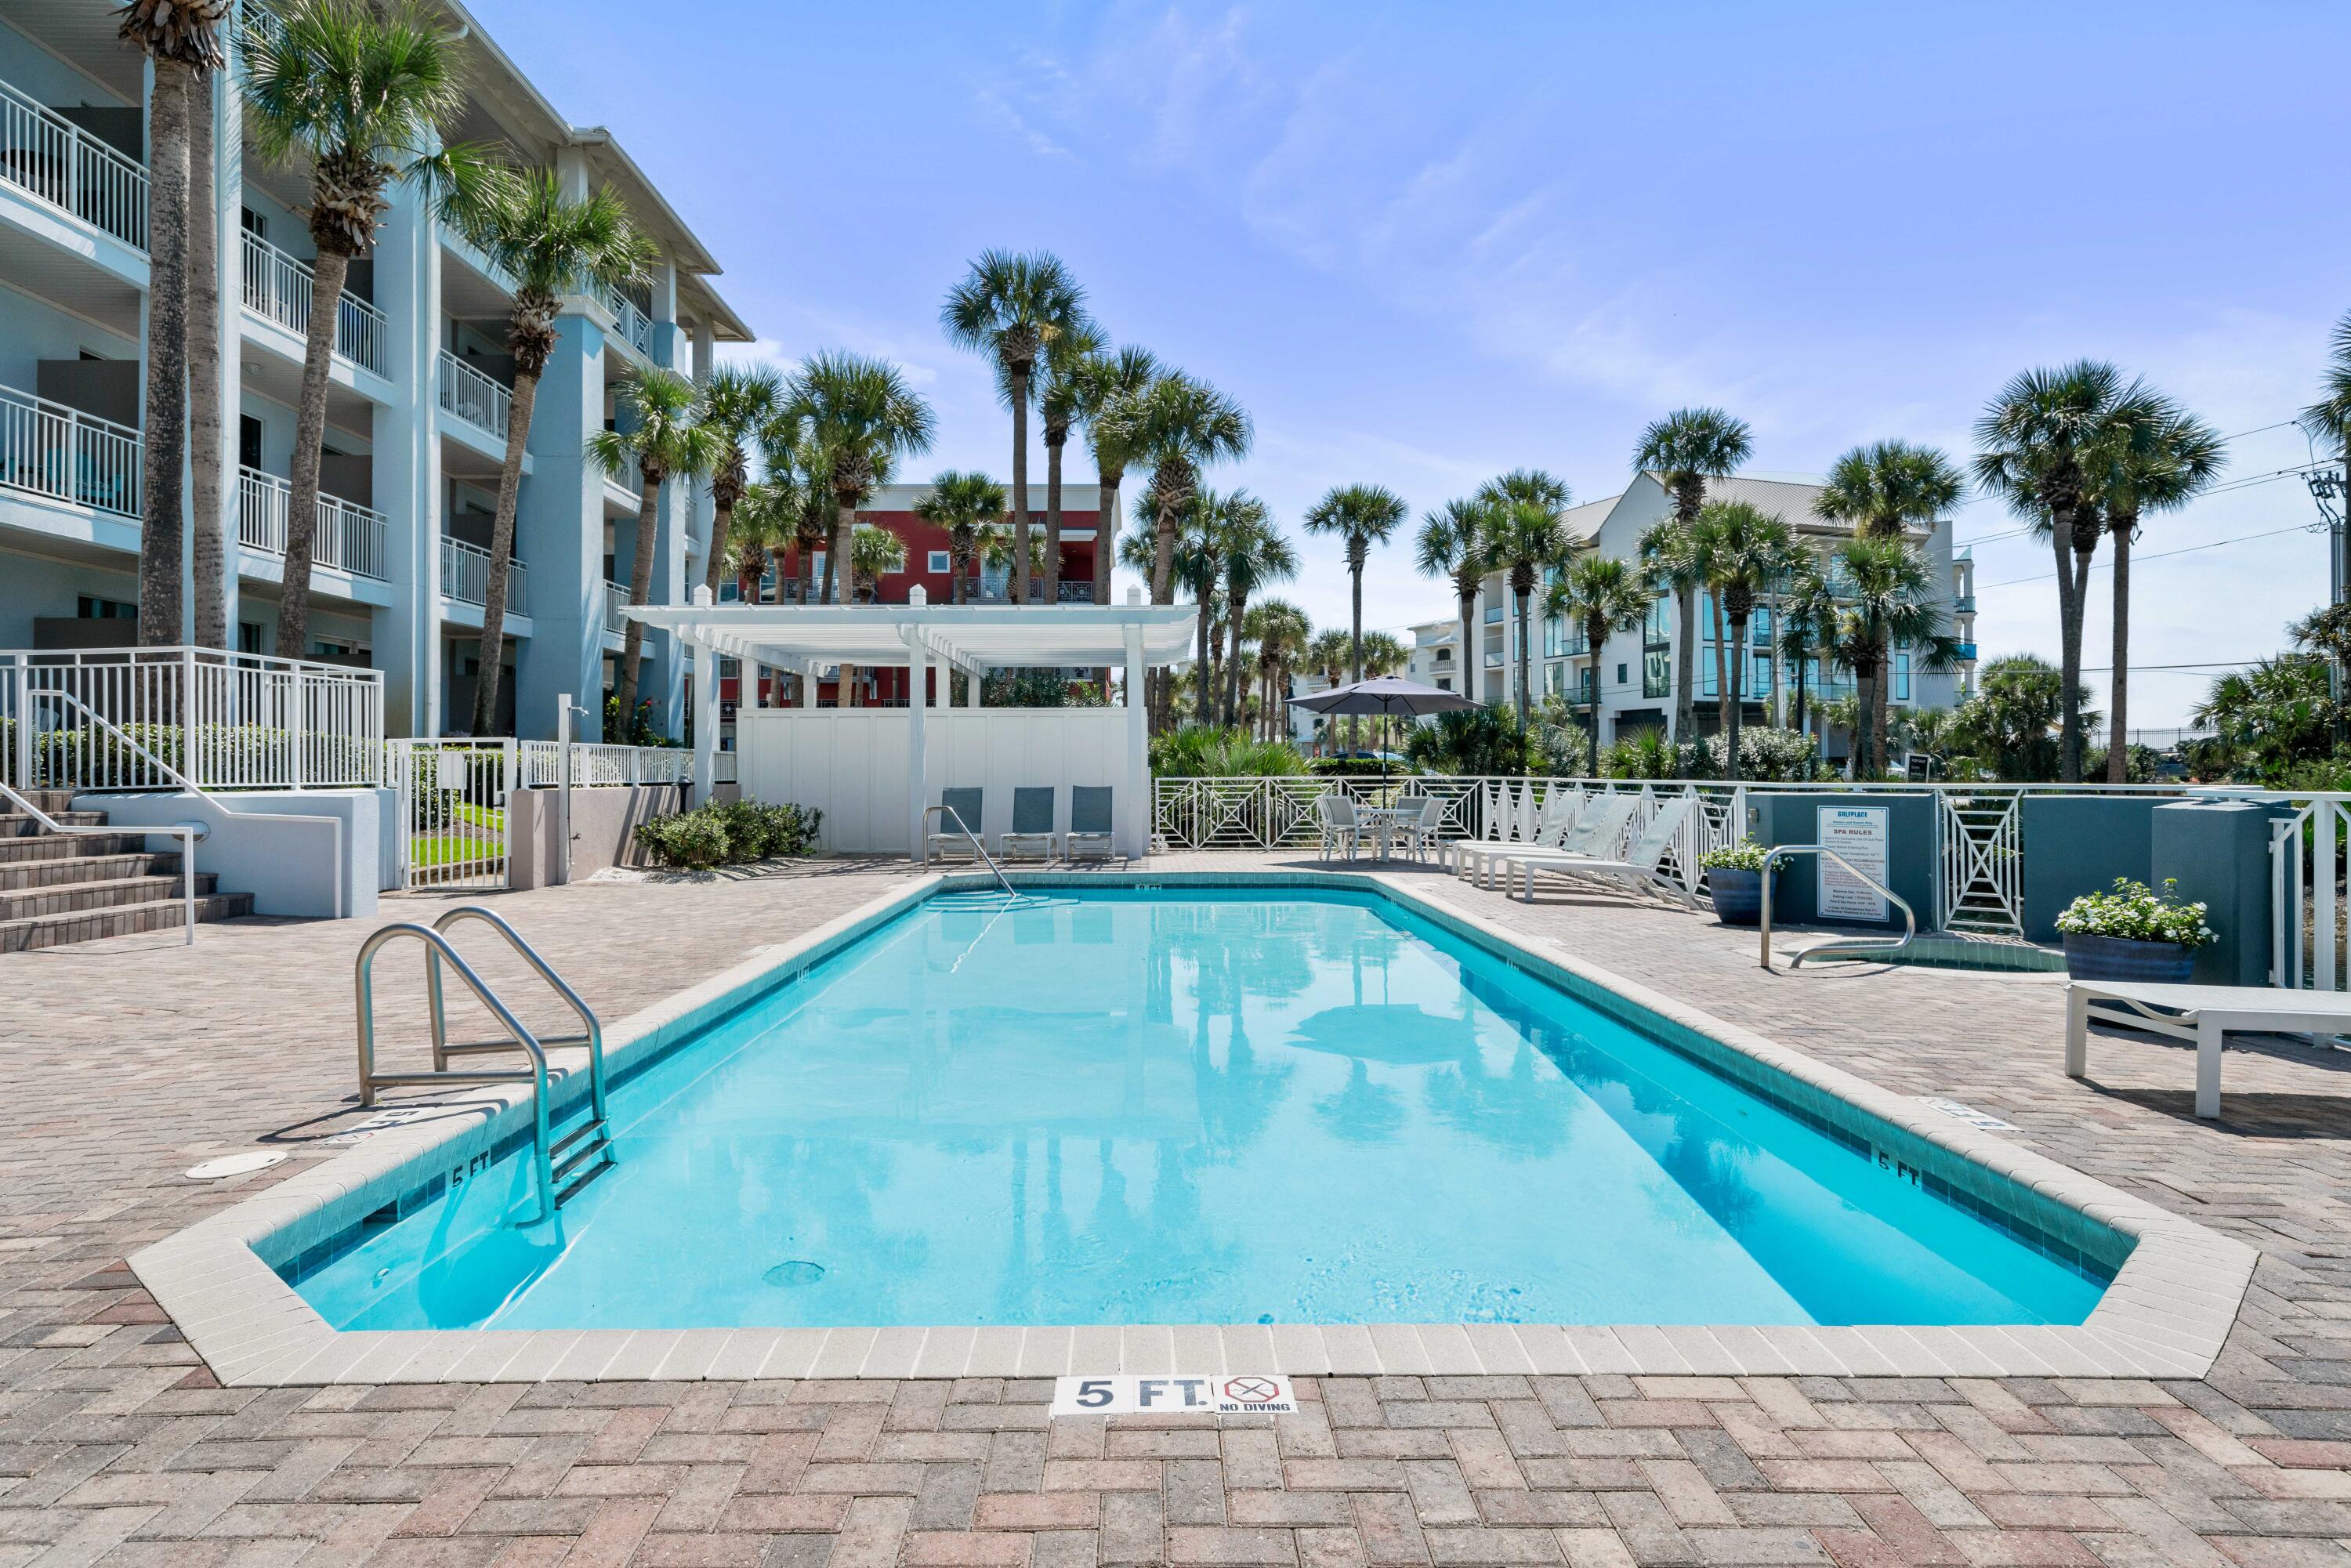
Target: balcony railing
[
  {"x": 465, "y": 577},
  {"x": 632, "y": 325},
  {"x": 349, "y": 536},
  {"x": 278, "y": 289},
  {"x": 473, "y": 396},
  {"x": 53, "y": 160},
  {"x": 67, "y": 455},
  {"x": 616, "y": 596}
]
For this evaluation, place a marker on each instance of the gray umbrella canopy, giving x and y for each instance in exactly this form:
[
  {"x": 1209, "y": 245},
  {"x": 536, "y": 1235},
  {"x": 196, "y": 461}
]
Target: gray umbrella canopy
[{"x": 1385, "y": 695}]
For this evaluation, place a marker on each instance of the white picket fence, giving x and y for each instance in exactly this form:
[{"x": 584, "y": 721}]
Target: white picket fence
[{"x": 454, "y": 796}]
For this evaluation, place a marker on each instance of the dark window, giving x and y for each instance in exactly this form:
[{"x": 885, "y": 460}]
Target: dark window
[
  {"x": 88, "y": 607},
  {"x": 253, "y": 223},
  {"x": 248, "y": 441}
]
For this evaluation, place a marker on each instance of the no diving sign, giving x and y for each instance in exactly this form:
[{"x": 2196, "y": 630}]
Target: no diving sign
[{"x": 1248, "y": 1394}]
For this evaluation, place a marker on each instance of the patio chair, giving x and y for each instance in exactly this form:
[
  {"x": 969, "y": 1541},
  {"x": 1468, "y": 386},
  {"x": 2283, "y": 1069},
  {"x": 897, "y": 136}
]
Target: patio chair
[
  {"x": 962, "y": 810},
  {"x": 1417, "y": 834},
  {"x": 1032, "y": 823},
  {"x": 1090, "y": 821},
  {"x": 1635, "y": 870},
  {"x": 1566, "y": 814},
  {"x": 1341, "y": 824}
]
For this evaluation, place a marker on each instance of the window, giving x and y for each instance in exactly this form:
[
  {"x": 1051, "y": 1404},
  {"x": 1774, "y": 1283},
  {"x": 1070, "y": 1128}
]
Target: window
[
  {"x": 248, "y": 636},
  {"x": 1444, "y": 683},
  {"x": 1554, "y": 638},
  {"x": 248, "y": 441},
  {"x": 1620, "y": 672},
  {"x": 1902, "y": 676},
  {"x": 1555, "y": 678},
  {"x": 1658, "y": 629},
  {"x": 90, "y": 608},
  {"x": 1656, "y": 673},
  {"x": 253, "y": 223},
  {"x": 939, "y": 561}
]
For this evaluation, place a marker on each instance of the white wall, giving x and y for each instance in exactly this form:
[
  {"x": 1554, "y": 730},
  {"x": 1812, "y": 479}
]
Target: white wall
[
  {"x": 852, "y": 764},
  {"x": 329, "y": 864}
]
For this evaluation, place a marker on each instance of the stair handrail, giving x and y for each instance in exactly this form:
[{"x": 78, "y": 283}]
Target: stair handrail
[
  {"x": 437, "y": 946},
  {"x": 978, "y": 848},
  {"x": 186, "y": 833},
  {"x": 1845, "y": 947},
  {"x": 592, "y": 1032}
]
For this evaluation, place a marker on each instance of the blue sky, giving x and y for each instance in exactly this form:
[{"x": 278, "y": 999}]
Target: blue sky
[{"x": 1424, "y": 244}]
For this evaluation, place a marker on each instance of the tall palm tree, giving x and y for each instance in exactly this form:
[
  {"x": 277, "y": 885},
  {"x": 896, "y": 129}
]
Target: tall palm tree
[
  {"x": 1601, "y": 595},
  {"x": 1058, "y": 402},
  {"x": 1012, "y": 308},
  {"x": 873, "y": 553},
  {"x": 1179, "y": 424},
  {"x": 1525, "y": 537},
  {"x": 1359, "y": 516},
  {"x": 799, "y": 474},
  {"x": 1745, "y": 549},
  {"x": 1280, "y": 631},
  {"x": 1107, "y": 387},
  {"x": 1198, "y": 567},
  {"x": 862, "y": 418},
  {"x": 1888, "y": 488},
  {"x": 1891, "y": 598},
  {"x": 961, "y": 506},
  {"x": 548, "y": 241},
  {"x": 207, "y": 466},
  {"x": 756, "y": 542},
  {"x": 1686, "y": 449},
  {"x": 182, "y": 42},
  {"x": 1382, "y": 654},
  {"x": 1807, "y": 625},
  {"x": 363, "y": 93},
  {"x": 665, "y": 441},
  {"x": 1452, "y": 544},
  {"x": 1256, "y": 555},
  {"x": 2036, "y": 442},
  {"x": 737, "y": 403}
]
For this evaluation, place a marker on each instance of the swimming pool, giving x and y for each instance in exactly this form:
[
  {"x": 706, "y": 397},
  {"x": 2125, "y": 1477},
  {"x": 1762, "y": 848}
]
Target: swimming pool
[{"x": 1125, "y": 1106}]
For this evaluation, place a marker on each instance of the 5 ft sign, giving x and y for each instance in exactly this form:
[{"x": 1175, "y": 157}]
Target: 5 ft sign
[{"x": 1249, "y": 1394}]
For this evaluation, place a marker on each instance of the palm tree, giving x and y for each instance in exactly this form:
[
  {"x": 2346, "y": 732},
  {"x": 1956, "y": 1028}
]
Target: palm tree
[
  {"x": 1889, "y": 488},
  {"x": 548, "y": 241},
  {"x": 1686, "y": 449},
  {"x": 1198, "y": 567},
  {"x": 2159, "y": 459},
  {"x": 1255, "y": 554},
  {"x": 1452, "y": 543},
  {"x": 874, "y": 554},
  {"x": 1178, "y": 424},
  {"x": 1108, "y": 387},
  {"x": 800, "y": 474},
  {"x": 1601, "y": 595},
  {"x": 1280, "y": 631},
  {"x": 961, "y": 504},
  {"x": 182, "y": 42},
  {"x": 1359, "y": 515},
  {"x": 1807, "y": 625},
  {"x": 2036, "y": 442},
  {"x": 1745, "y": 550},
  {"x": 208, "y": 530},
  {"x": 1525, "y": 537},
  {"x": 363, "y": 93},
  {"x": 756, "y": 542},
  {"x": 1058, "y": 400},
  {"x": 1011, "y": 307},
  {"x": 737, "y": 403},
  {"x": 860, "y": 418},
  {"x": 665, "y": 441},
  {"x": 1891, "y": 599}
]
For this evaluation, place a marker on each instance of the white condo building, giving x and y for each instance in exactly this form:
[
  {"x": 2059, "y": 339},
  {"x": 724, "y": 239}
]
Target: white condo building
[{"x": 415, "y": 417}]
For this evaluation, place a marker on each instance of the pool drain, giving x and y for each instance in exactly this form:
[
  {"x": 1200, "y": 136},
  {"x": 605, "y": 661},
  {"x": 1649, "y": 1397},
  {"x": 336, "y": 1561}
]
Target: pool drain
[{"x": 794, "y": 1271}]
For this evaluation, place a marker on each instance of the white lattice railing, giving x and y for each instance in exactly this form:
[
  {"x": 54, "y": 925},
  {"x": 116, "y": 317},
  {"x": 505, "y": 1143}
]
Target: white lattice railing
[
  {"x": 473, "y": 397},
  {"x": 48, "y": 156},
  {"x": 349, "y": 536},
  {"x": 631, "y": 325},
  {"x": 67, "y": 455},
  {"x": 601, "y": 765},
  {"x": 278, "y": 288},
  {"x": 465, "y": 577},
  {"x": 227, "y": 721}
]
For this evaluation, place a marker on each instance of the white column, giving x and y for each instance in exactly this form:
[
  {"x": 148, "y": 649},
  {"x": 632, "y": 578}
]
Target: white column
[
  {"x": 807, "y": 683},
  {"x": 971, "y": 687},
  {"x": 705, "y": 713},
  {"x": 918, "y": 675},
  {"x": 1134, "y": 819}
]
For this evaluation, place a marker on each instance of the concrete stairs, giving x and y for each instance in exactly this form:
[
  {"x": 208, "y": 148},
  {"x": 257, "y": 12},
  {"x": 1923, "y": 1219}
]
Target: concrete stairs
[{"x": 60, "y": 888}]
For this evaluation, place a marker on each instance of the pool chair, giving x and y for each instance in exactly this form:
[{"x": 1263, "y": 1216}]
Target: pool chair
[
  {"x": 1563, "y": 826},
  {"x": 1340, "y": 823},
  {"x": 1417, "y": 834},
  {"x": 1635, "y": 869},
  {"x": 1089, "y": 822},
  {"x": 962, "y": 806},
  {"x": 1032, "y": 823}
]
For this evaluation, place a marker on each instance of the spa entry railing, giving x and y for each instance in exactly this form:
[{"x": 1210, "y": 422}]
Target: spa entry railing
[{"x": 1850, "y": 947}]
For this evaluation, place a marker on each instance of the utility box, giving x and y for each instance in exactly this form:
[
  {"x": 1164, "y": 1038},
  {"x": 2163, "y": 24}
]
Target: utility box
[
  {"x": 1892, "y": 837},
  {"x": 2074, "y": 844},
  {"x": 2219, "y": 852}
]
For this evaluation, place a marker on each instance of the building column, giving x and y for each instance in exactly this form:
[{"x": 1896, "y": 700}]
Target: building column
[
  {"x": 971, "y": 685},
  {"x": 807, "y": 683},
  {"x": 705, "y": 713},
  {"x": 1135, "y": 818},
  {"x": 918, "y": 786},
  {"x": 559, "y": 534},
  {"x": 404, "y": 462}
]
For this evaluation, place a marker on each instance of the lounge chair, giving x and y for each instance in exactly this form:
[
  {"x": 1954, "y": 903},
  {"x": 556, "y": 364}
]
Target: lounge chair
[
  {"x": 1562, "y": 810},
  {"x": 1341, "y": 824},
  {"x": 1032, "y": 823},
  {"x": 2204, "y": 1014},
  {"x": 1635, "y": 869},
  {"x": 961, "y": 810},
  {"x": 1090, "y": 821}
]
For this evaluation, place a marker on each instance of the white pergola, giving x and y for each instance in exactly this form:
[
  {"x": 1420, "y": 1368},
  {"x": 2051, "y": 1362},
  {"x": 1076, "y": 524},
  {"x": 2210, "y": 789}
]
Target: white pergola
[{"x": 974, "y": 639}]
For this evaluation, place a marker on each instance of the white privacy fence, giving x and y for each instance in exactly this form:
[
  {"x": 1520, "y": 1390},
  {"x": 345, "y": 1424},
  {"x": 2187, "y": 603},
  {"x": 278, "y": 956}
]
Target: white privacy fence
[{"x": 226, "y": 721}]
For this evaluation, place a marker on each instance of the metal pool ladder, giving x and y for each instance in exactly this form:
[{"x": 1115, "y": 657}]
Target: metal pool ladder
[{"x": 560, "y": 1166}]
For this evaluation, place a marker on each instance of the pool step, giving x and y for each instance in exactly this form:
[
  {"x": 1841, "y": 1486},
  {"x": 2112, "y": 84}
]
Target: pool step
[{"x": 588, "y": 1149}]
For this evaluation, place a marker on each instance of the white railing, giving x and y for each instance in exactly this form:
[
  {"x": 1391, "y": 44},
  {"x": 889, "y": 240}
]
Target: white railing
[
  {"x": 616, "y": 600},
  {"x": 473, "y": 396},
  {"x": 349, "y": 536},
  {"x": 632, "y": 476},
  {"x": 48, "y": 156},
  {"x": 604, "y": 766},
  {"x": 227, "y": 721},
  {"x": 465, "y": 577},
  {"x": 278, "y": 289},
  {"x": 632, "y": 326},
  {"x": 69, "y": 456}
]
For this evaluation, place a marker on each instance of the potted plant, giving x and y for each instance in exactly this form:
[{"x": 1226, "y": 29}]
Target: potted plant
[
  {"x": 2134, "y": 933},
  {"x": 1734, "y": 879}
]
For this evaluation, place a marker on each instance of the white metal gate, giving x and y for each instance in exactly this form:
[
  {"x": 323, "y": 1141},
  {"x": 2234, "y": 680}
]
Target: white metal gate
[{"x": 453, "y": 804}]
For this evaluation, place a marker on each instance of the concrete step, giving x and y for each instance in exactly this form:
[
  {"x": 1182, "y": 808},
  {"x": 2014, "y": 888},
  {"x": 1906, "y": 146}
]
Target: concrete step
[
  {"x": 50, "y": 801},
  {"x": 23, "y": 825},
  {"x": 64, "y": 870},
  {"x": 121, "y": 920},
  {"x": 52, "y": 846},
  {"x": 110, "y": 893}
]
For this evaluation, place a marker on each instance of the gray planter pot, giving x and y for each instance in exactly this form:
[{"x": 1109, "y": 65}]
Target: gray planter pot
[
  {"x": 2089, "y": 957},
  {"x": 1737, "y": 895}
]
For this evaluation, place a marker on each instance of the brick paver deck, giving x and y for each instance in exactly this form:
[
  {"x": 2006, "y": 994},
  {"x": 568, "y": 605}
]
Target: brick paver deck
[{"x": 124, "y": 1063}]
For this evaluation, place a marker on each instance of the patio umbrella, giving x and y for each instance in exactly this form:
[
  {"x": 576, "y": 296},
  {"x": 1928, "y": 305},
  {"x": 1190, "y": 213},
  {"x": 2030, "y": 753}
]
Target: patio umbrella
[{"x": 1385, "y": 695}]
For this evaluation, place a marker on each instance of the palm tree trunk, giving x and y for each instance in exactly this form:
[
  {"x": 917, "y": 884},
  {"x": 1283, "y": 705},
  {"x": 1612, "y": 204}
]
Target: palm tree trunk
[
  {"x": 1684, "y": 662},
  {"x": 840, "y": 587},
  {"x": 1354, "y": 633},
  {"x": 1725, "y": 698},
  {"x": 2069, "y": 659},
  {"x": 721, "y": 522},
  {"x": 309, "y": 432},
  {"x": 808, "y": 574},
  {"x": 1878, "y": 707},
  {"x": 776, "y": 558},
  {"x": 1052, "y": 590},
  {"x": 1522, "y": 596},
  {"x": 1770, "y": 641},
  {"x": 960, "y": 564},
  {"x": 1204, "y": 680},
  {"x": 1019, "y": 486},
  {"x": 1163, "y": 554},
  {"x": 492, "y": 654},
  {"x": 1469, "y": 603},
  {"x": 1737, "y": 652},
  {"x": 208, "y": 462},
  {"x": 1106, "y": 534},
  {"x": 1595, "y": 637},
  {"x": 641, "y": 588},
  {"x": 2117, "y": 718},
  {"x": 165, "y": 449},
  {"x": 1235, "y": 604},
  {"x": 1864, "y": 760}
]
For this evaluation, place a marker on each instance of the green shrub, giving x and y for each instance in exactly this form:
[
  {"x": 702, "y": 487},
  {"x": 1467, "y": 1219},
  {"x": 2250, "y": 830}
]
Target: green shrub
[
  {"x": 1744, "y": 855},
  {"x": 688, "y": 841},
  {"x": 729, "y": 833},
  {"x": 2137, "y": 912},
  {"x": 1198, "y": 751},
  {"x": 1354, "y": 767}
]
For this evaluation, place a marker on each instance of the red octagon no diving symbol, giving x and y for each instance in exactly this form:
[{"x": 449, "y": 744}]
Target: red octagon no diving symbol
[{"x": 1250, "y": 1390}]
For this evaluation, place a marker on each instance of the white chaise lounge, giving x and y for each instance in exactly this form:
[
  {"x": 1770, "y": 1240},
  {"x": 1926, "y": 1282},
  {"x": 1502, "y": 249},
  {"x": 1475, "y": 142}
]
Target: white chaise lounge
[
  {"x": 2204, "y": 1014},
  {"x": 1635, "y": 870}
]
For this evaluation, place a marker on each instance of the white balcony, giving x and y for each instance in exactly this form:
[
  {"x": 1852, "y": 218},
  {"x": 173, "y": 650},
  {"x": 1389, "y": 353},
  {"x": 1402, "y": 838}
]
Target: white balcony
[
  {"x": 631, "y": 325},
  {"x": 465, "y": 577},
  {"x": 278, "y": 289},
  {"x": 54, "y": 160},
  {"x": 473, "y": 396},
  {"x": 61, "y": 452},
  {"x": 616, "y": 596},
  {"x": 349, "y": 536}
]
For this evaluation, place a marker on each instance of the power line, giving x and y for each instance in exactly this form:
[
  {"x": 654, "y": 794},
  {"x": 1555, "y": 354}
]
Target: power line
[{"x": 2155, "y": 555}]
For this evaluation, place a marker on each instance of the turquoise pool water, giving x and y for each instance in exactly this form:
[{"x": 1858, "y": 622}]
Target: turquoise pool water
[{"x": 1164, "y": 1107}]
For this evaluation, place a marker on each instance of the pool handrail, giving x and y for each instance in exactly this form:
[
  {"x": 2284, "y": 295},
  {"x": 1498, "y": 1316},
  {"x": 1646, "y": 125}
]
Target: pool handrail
[
  {"x": 977, "y": 847},
  {"x": 591, "y": 1034},
  {"x": 1846, "y": 947}
]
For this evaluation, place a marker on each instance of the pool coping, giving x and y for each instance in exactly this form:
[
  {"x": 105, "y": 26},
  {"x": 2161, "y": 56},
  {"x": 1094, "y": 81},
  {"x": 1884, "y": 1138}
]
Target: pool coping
[{"x": 2166, "y": 1313}]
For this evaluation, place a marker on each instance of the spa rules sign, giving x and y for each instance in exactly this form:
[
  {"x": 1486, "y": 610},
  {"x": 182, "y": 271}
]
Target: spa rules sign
[{"x": 1859, "y": 834}]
